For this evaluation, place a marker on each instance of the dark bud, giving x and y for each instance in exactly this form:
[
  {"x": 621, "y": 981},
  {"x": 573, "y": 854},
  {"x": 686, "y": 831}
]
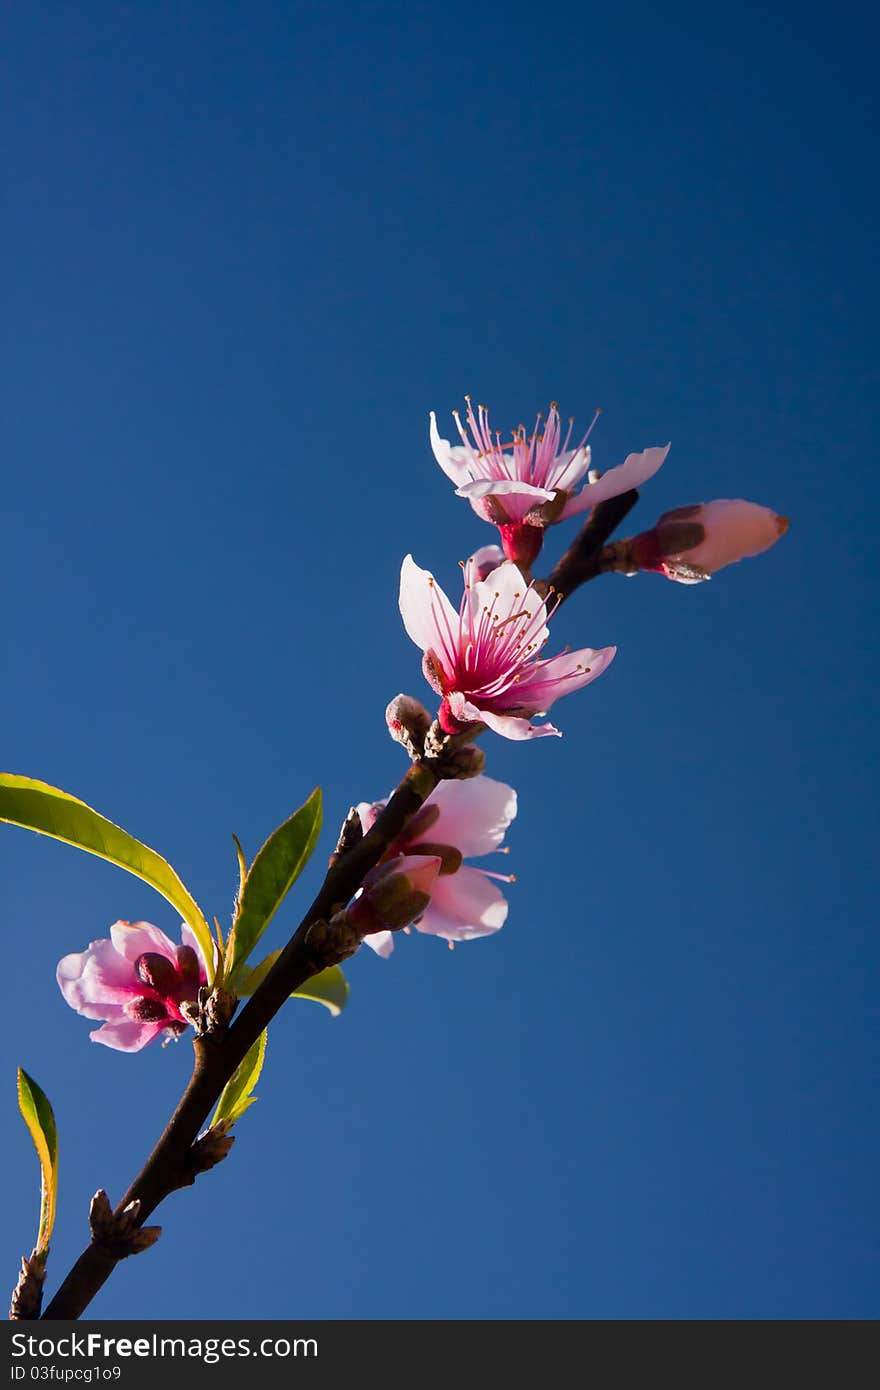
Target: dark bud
[
  {"x": 188, "y": 966},
  {"x": 147, "y": 1010},
  {"x": 157, "y": 971}
]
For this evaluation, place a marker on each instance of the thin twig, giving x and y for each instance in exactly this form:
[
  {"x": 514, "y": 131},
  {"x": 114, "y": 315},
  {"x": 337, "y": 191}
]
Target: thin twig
[
  {"x": 170, "y": 1165},
  {"x": 582, "y": 561}
]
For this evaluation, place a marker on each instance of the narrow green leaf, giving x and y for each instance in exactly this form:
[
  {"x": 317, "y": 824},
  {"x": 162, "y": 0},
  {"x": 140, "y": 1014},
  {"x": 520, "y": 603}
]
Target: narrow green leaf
[
  {"x": 37, "y": 1115},
  {"x": 271, "y": 876},
  {"x": 236, "y": 1096},
  {"x": 329, "y": 987},
  {"x": 37, "y": 806},
  {"x": 242, "y": 865}
]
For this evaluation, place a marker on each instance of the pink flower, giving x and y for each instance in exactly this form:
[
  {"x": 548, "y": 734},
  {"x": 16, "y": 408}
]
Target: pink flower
[
  {"x": 484, "y": 659},
  {"x": 458, "y": 820},
  {"x": 136, "y": 981},
  {"x": 533, "y": 480},
  {"x": 691, "y": 543}
]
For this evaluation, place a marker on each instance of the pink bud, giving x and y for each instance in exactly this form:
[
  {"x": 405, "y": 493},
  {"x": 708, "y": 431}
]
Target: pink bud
[
  {"x": 395, "y": 893},
  {"x": 691, "y": 543}
]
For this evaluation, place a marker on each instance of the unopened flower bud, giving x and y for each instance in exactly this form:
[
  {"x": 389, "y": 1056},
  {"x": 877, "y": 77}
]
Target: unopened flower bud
[
  {"x": 395, "y": 893},
  {"x": 450, "y": 858},
  {"x": 464, "y": 762},
  {"x": 408, "y": 722},
  {"x": 157, "y": 971},
  {"x": 691, "y": 543},
  {"x": 485, "y": 560},
  {"x": 189, "y": 966}
]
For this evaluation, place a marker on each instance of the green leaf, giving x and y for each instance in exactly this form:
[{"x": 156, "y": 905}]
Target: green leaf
[
  {"x": 37, "y": 806},
  {"x": 236, "y": 1096},
  {"x": 37, "y": 1115},
  {"x": 271, "y": 876},
  {"x": 329, "y": 987}
]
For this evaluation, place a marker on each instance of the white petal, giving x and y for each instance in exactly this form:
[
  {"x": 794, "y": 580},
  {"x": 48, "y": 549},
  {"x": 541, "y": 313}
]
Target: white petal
[
  {"x": 503, "y": 487},
  {"x": 452, "y": 458},
  {"x": 635, "y": 470},
  {"x": 382, "y": 942},
  {"x": 464, "y": 905},
  {"x": 428, "y": 616},
  {"x": 474, "y": 814}
]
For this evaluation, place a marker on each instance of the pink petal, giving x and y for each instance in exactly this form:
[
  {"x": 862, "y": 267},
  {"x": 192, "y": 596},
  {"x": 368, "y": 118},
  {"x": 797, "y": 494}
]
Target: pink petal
[
  {"x": 428, "y": 616},
  {"x": 464, "y": 905},
  {"x": 474, "y": 814},
  {"x": 132, "y": 939},
  {"x": 97, "y": 982},
  {"x": 382, "y": 942},
  {"x": 635, "y": 470},
  {"x": 560, "y": 675},
  {"x": 127, "y": 1035},
  {"x": 514, "y": 726},
  {"x": 452, "y": 458}
]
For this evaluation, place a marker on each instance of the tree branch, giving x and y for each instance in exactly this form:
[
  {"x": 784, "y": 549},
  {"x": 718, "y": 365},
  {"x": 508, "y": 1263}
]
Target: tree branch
[
  {"x": 581, "y": 562},
  {"x": 170, "y": 1164}
]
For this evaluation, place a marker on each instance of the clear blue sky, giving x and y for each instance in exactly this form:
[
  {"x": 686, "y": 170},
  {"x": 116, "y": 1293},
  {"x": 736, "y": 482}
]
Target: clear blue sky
[{"x": 247, "y": 248}]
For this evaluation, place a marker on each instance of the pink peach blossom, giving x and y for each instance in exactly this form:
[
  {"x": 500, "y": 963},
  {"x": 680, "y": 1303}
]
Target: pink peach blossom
[
  {"x": 691, "y": 543},
  {"x": 136, "y": 981},
  {"x": 484, "y": 659},
  {"x": 459, "y": 820},
  {"x": 532, "y": 480}
]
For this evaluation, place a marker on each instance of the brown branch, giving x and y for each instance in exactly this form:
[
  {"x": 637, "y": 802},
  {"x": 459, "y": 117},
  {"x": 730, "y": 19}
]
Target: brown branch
[
  {"x": 171, "y": 1164},
  {"x": 582, "y": 561}
]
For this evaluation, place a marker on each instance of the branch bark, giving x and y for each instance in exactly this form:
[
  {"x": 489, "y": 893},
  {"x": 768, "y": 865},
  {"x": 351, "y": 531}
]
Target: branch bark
[
  {"x": 170, "y": 1165},
  {"x": 582, "y": 561}
]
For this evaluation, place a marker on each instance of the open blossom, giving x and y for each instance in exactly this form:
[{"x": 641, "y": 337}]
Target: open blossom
[
  {"x": 691, "y": 543},
  {"x": 532, "y": 480},
  {"x": 136, "y": 981},
  {"x": 459, "y": 820},
  {"x": 485, "y": 659}
]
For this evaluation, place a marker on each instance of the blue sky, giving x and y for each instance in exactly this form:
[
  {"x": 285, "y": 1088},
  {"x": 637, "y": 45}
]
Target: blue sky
[{"x": 248, "y": 247}]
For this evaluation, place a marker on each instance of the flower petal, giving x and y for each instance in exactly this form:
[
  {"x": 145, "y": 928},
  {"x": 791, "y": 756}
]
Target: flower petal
[
  {"x": 515, "y": 726},
  {"x": 97, "y": 982},
  {"x": 127, "y": 1035},
  {"x": 464, "y": 905},
  {"x": 132, "y": 939},
  {"x": 474, "y": 814},
  {"x": 382, "y": 942},
  {"x": 635, "y": 470},
  {"x": 569, "y": 469},
  {"x": 562, "y": 674},
  {"x": 503, "y": 487},
  {"x": 452, "y": 458},
  {"x": 428, "y": 616},
  {"x": 504, "y": 592}
]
